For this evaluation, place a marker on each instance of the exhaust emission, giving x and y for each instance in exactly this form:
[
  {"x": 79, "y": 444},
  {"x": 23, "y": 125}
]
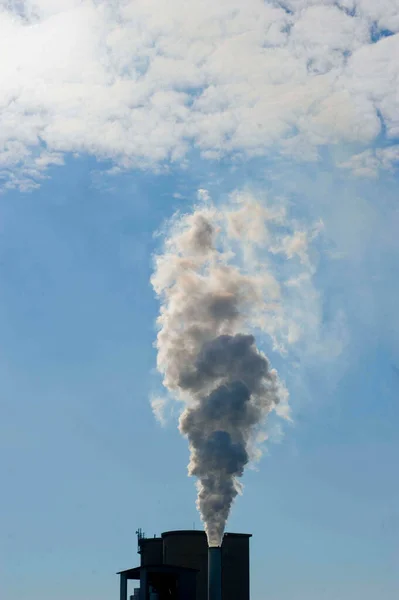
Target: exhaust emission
[
  {"x": 214, "y": 573},
  {"x": 211, "y": 298}
]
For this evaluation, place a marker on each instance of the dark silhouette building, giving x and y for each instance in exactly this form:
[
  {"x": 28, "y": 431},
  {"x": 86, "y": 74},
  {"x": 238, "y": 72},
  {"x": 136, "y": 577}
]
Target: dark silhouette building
[{"x": 175, "y": 567}]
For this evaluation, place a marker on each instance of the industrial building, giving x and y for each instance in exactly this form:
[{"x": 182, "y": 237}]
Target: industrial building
[{"x": 175, "y": 567}]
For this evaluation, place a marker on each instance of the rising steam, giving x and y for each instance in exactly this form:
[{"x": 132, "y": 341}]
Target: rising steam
[{"x": 214, "y": 292}]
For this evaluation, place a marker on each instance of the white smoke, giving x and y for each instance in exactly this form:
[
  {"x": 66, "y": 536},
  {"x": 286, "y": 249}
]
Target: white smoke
[{"x": 214, "y": 292}]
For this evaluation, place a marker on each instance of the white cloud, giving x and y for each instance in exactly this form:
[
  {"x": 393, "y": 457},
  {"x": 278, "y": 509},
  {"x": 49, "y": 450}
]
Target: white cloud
[
  {"x": 142, "y": 81},
  {"x": 371, "y": 162}
]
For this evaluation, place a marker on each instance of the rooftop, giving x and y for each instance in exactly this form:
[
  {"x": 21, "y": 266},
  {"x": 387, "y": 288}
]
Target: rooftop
[
  {"x": 202, "y": 533},
  {"x": 135, "y": 573}
]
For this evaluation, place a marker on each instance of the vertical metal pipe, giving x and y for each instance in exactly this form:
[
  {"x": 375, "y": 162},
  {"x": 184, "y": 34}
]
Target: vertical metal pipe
[{"x": 215, "y": 573}]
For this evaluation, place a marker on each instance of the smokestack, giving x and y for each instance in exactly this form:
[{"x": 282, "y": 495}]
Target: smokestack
[{"x": 214, "y": 573}]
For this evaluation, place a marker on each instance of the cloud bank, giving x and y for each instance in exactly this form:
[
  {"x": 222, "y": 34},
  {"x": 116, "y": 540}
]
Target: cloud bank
[{"x": 145, "y": 82}]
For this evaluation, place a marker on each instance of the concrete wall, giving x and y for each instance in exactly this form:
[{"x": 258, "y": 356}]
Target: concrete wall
[
  {"x": 190, "y": 549},
  {"x": 151, "y": 551},
  {"x": 235, "y": 567}
]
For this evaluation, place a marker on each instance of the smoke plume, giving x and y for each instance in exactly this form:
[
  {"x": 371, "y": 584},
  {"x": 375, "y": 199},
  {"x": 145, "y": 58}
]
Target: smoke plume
[{"x": 213, "y": 294}]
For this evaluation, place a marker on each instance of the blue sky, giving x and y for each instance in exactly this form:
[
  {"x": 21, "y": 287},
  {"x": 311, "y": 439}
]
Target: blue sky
[
  {"x": 84, "y": 462},
  {"x": 113, "y": 116}
]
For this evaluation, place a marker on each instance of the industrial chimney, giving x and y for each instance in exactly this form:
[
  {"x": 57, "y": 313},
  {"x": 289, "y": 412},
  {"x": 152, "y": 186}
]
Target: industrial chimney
[{"x": 214, "y": 573}]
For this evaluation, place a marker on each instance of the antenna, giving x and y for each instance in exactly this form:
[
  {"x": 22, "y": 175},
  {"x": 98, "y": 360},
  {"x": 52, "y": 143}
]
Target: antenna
[{"x": 140, "y": 536}]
